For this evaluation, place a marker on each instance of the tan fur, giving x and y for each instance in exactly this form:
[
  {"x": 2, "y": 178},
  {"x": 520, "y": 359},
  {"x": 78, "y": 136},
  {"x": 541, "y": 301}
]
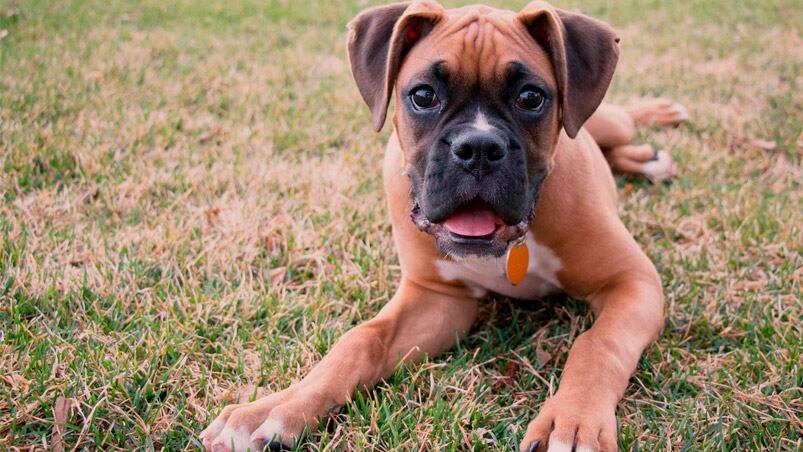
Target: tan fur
[{"x": 576, "y": 218}]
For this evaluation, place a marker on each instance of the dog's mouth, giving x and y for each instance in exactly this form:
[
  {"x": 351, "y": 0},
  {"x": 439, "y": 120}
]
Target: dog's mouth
[
  {"x": 473, "y": 229},
  {"x": 475, "y": 219}
]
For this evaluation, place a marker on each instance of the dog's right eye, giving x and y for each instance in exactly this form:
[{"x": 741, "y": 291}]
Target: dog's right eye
[{"x": 424, "y": 97}]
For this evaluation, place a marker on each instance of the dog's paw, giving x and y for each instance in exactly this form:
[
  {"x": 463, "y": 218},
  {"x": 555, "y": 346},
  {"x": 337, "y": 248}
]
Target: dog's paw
[
  {"x": 661, "y": 168},
  {"x": 643, "y": 159},
  {"x": 659, "y": 112},
  {"x": 275, "y": 421},
  {"x": 566, "y": 425}
]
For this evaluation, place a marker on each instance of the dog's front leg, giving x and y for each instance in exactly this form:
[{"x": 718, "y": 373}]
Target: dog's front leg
[
  {"x": 415, "y": 323},
  {"x": 581, "y": 415}
]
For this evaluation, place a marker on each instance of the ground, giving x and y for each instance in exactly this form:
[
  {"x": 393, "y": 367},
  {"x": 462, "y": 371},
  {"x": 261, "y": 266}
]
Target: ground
[{"x": 190, "y": 204}]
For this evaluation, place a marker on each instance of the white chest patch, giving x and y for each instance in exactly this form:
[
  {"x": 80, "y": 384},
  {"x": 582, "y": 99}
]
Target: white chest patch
[{"x": 484, "y": 275}]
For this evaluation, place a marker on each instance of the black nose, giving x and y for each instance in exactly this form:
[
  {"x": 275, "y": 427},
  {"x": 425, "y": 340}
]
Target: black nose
[{"x": 479, "y": 151}]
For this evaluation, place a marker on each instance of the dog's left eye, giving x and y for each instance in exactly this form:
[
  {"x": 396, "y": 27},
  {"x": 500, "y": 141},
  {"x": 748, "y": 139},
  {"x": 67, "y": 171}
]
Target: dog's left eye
[
  {"x": 530, "y": 98},
  {"x": 424, "y": 97}
]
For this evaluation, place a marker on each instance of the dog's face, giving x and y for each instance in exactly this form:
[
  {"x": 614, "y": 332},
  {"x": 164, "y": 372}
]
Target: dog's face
[
  {"x": 477, "y": 121},
  {"x": 481, "y": 97}
]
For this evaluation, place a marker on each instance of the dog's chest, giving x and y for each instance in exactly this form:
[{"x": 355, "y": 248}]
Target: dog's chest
[{"x": 488, "y": 275}]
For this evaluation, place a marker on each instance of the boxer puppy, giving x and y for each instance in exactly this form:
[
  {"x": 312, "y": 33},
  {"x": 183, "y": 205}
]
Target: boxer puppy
[{"x": 493, "y": 185}]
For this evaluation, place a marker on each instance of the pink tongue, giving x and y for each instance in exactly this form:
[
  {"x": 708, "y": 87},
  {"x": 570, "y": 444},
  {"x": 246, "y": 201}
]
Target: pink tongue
[{"x": 472, "y": 222}]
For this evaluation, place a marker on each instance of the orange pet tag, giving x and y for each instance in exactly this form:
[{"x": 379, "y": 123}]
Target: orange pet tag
[{"x": 518, "y": 259}]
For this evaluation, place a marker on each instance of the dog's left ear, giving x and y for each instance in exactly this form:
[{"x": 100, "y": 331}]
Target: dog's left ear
[
  {"x": 379, "y": 39},
  {"x": 584, "y": 52}
]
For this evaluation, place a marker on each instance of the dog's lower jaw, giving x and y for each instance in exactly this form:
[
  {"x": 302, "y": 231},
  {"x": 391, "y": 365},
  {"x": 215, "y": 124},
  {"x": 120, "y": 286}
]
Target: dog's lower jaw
[{"x": 494, "y": 246}]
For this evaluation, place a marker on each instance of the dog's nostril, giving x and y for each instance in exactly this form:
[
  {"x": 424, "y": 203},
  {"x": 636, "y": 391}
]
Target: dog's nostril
[
  {"x": 465, "y": 151},
  {"x": 494, "y": 153}
]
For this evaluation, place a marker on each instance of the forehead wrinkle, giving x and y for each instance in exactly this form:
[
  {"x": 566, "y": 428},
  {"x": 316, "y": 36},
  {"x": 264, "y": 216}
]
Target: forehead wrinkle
[
  {"x": 479, "y": 43},
  {"x": 472, "y": 42},
  {"x": 470, "y": 51},
  {"x": 490, "y": 39},
  {"x": 487, "y": 51}
]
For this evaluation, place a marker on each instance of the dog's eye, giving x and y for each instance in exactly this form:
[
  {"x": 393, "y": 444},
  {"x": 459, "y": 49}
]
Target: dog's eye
[
  {"x": 424, "y": 97},
  {"x": 530, "y": 98}
]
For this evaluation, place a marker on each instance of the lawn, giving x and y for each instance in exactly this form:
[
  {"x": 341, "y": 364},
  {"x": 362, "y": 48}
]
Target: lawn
[{"x": 191, "y": 208}]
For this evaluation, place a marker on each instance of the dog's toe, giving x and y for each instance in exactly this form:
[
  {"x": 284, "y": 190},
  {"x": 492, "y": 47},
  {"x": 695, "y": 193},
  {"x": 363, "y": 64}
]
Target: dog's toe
[
  {"x": 274, "y": 433},
  {"x": 231, "y": 440},
  {"x": 559, "y": 446}
]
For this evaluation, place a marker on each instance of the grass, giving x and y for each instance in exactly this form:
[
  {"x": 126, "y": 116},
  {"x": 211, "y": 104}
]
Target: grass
[{"x": 191, "y": 204}]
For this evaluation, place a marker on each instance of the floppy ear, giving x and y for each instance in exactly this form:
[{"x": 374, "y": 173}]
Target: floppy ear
[
  {"x": 584, "y": 52},
  {"x": 379, "y": 39}
]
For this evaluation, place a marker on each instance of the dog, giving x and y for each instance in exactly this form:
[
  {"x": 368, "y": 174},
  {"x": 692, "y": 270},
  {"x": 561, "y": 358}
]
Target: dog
[{"x": 498, "y": 179}]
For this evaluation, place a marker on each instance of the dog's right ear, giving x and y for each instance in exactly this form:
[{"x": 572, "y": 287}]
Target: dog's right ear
[{"x": 379, "y": 39}]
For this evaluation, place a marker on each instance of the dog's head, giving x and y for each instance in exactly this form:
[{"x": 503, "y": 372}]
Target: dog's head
[{"x": 481, "y": 97}]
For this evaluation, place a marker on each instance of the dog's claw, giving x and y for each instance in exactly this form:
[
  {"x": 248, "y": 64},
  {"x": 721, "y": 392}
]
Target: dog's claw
[
  {"x": 278, "y": 447},
  {"x": 534, "y": 446}
]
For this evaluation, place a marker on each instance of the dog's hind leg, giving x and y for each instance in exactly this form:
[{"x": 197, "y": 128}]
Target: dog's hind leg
[
  {"x": 611, "y": 126},
  {"x": 614, "y": 128}
]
